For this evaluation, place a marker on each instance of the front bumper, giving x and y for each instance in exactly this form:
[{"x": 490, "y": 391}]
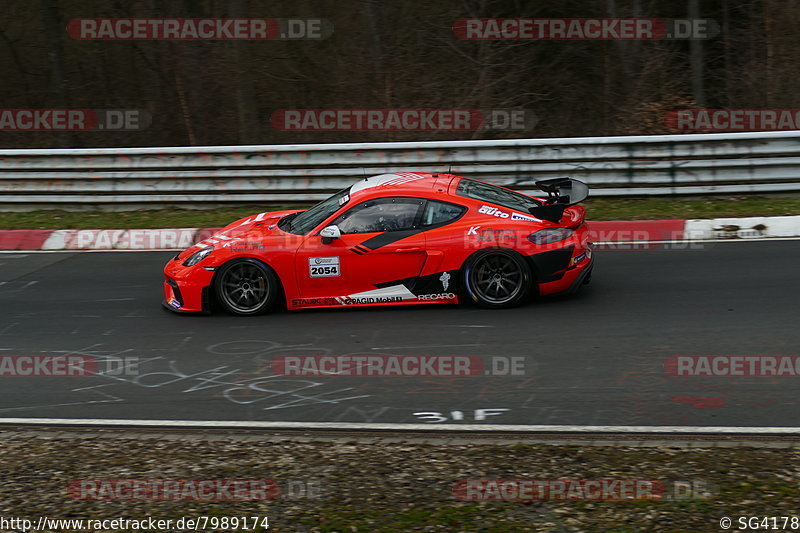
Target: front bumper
[
  {"x": 183, "y": 311},
  {"x": 187, "y": 289}
]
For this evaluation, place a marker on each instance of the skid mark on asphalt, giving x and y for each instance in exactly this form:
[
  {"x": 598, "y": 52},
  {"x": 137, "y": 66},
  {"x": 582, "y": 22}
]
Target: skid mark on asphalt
[
  {"x": 699, "y": 402},
  {"x": 57, "y": 261},
  {"x": 464, "y": 326},
  {"x": 424, "y": 346},
  {"x": 8, "y": 327},
  {"x": 16, "y": 286},
  {"x": 265, "y": 392},
  {"x": 105, "y": 398}
]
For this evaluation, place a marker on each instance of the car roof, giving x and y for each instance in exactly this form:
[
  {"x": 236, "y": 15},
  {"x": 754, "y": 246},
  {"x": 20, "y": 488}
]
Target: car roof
[{"x": 402, "y": 183}]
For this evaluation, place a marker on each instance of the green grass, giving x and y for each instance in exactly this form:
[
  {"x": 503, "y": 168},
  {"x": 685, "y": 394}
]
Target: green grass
[
  {"x": 680, "y": 208},
  {"x": 598, "y": 209},
  {"x": 155, "y": 218}
]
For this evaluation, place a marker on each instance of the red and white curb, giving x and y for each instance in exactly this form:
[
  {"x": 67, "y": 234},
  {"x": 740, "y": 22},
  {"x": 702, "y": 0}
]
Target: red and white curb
[
  {"x": 615, "y": 231},
  {"x": 105, "y": 239}
]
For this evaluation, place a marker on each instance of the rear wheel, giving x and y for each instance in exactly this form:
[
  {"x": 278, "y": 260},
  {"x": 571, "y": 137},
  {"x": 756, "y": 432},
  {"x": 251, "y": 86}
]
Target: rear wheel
[
  {"x": 497, "y": 279},
  {"x": 246, "y": 287}
]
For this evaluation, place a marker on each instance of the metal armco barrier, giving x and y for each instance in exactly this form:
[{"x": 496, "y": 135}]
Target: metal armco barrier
[{"x": 729, "y": 163}]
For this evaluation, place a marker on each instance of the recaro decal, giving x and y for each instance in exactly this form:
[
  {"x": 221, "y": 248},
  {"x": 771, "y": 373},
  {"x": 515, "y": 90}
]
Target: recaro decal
[{"x": 441, "y": 296}]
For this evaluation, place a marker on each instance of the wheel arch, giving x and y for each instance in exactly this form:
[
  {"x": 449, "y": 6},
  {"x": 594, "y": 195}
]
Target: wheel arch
[
  {"x": 213, "y": 300},
  {"x": 463, "y": 270}
]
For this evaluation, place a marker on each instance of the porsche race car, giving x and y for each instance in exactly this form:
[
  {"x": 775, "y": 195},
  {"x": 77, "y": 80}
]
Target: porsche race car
[{"x": 392, "y": 239}]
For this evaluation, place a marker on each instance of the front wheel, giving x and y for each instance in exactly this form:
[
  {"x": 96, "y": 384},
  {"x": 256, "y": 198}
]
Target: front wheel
[
  {"x": 497, "y": 279},
  {"x": 246, "y": 287}
]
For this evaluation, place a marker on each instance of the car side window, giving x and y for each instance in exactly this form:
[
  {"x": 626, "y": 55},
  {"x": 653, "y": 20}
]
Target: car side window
[
  {"x": 441, "y": 213},
  {"x": 380, "y": 215}
]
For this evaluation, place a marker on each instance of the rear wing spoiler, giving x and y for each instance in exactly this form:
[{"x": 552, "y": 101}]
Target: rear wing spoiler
[{"x": 561, "y": 193}]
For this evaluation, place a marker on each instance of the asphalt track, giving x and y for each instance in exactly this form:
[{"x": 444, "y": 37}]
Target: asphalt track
[{"x": 595, "y": 358}]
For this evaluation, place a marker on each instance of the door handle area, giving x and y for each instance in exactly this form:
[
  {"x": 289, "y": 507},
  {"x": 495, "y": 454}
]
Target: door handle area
[{"x": 408, "y": 249}]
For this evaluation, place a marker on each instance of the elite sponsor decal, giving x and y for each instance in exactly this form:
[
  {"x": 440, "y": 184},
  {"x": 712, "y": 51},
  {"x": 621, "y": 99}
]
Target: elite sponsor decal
[
  {"x": 517, "y": 216},
  {"x": 175, "y": 303},
  {"x": 323, "y": 267}
]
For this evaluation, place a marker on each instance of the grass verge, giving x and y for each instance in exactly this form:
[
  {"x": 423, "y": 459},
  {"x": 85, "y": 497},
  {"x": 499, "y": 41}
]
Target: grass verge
[
  {"x": 380, "y": 486},
  {"x": 598, "y": 209}
]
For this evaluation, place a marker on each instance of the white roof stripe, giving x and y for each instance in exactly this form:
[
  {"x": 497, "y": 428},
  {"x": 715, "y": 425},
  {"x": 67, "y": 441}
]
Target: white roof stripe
[{"x": 385, "y": 179}]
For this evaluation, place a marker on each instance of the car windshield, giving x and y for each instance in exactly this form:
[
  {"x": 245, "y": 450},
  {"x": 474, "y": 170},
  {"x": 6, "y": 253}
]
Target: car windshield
[
  {"x": 308, "y": 220},
  {"x": 495, "y": 195}
]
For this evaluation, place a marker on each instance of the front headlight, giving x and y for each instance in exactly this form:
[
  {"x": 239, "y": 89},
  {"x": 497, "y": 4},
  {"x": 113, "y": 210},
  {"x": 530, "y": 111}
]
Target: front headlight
[
  {"x": 549, "y": 236},
  {"x": 198, "y": 256}
]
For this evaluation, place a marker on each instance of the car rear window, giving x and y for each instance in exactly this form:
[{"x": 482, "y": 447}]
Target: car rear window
[{"x": 495, "y": 195}]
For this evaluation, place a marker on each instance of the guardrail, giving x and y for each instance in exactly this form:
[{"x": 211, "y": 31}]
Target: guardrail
[{"x": 730, "y": 163}]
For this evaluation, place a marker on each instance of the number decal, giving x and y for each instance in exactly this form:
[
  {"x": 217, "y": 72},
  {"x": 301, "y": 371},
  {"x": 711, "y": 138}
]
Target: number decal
[
  {"x": 323, "y": 267},
  {"x": 324, "y": 271}
]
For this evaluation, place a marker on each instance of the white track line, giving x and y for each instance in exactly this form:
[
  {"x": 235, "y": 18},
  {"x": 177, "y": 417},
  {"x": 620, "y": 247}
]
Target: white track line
[
  {"x": 348, "y": 426},
  {"x": 690, "y": 241}
]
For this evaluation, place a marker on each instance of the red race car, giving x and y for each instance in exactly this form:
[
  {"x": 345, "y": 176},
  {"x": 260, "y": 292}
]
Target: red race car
[{"x": 392, "y": 239}]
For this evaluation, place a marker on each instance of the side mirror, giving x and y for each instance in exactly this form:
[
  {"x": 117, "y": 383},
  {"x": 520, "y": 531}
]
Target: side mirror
[{"x": 330, "y": 233}]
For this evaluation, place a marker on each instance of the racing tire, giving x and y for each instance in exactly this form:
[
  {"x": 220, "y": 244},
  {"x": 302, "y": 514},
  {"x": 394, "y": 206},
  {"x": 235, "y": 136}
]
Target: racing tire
[
  {"x": 497, "y": 279},
  {"x": 246, "y": 287}
]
